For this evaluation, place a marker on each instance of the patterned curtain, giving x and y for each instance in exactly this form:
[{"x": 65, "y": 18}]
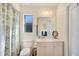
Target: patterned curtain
[{"x": 9, "y": 27}]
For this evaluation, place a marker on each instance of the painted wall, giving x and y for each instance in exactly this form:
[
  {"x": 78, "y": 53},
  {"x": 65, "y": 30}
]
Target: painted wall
[
  {"x": 26, "y": 38},
  {"x": 62, "y": 25},
  {"x": 16, "y": 6},
  {"x": 60, "y": 16}
]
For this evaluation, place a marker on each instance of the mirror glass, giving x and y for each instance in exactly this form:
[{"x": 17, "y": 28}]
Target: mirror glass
[{"x": 45, "y": 26}]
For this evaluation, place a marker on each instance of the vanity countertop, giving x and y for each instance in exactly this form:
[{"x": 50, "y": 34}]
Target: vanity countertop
[{"x": 49, "y": 40}]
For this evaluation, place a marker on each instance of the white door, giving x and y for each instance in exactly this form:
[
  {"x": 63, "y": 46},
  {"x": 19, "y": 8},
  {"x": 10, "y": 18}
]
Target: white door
[{"x": 74, "y": 30}]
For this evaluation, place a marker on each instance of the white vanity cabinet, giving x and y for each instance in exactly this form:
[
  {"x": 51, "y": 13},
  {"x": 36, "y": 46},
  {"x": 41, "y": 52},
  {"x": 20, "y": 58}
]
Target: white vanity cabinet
[{"x": 50, "y": 48}]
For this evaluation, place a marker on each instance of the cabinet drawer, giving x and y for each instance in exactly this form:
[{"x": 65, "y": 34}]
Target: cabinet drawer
[
  {"x": 50, "y": 44},
  {"x": 45, "y": 44},
  {"x": 58, "y": 44}
]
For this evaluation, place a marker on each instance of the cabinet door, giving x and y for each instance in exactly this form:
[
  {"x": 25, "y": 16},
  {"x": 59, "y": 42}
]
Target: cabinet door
[
  {"x": 49, "y": 51},
  {"x": 45, "y": 49},
  {"x": 58, "y": 49},
  {"x": 41, "y": 51}
]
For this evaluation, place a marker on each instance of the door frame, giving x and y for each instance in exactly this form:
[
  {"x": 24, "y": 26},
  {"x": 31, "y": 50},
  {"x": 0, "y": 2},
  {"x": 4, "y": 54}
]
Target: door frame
[{"x": 69, "y": 27}]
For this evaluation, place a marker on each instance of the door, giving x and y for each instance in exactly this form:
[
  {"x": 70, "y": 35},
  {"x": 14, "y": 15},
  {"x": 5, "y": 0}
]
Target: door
[{"x": 74, "y": 30}]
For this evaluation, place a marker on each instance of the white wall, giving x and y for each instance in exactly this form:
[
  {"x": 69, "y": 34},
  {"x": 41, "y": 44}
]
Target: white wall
[
  {"x": 62, "y": 25},
  {"x": 25, "y": 38},
  {"x": 61, "y": 15},
  {"x": 16, "y": 6}
]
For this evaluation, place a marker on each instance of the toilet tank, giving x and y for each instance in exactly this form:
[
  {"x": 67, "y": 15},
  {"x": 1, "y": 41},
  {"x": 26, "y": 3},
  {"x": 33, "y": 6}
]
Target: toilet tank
[
  {"x": 27, "y": 40},
  {"x": 27, "y": 44}
]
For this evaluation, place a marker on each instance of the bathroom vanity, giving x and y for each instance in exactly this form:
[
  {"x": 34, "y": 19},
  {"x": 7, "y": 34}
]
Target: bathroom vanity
[{"x": 48, "y": 47}]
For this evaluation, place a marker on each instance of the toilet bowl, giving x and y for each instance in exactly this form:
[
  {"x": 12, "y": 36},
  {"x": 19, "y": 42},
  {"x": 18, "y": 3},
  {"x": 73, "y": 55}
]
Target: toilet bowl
[
  {"x": 25, "y": 52},
  {"x": 26, "y": 48}
]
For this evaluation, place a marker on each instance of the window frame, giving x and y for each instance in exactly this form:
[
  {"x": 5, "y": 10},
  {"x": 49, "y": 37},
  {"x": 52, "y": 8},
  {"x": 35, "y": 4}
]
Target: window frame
[{"x": 24, "y": 23}]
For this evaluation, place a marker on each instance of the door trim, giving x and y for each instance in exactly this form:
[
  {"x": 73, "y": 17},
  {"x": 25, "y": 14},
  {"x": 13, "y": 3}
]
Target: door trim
[{"x": 70, "y": 27}]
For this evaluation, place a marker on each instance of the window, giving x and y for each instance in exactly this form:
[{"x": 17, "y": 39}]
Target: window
[{"x": 28, "y": 19}]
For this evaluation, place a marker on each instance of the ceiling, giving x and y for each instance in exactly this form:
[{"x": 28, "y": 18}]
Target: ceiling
[{"x": 39, "y": 4}]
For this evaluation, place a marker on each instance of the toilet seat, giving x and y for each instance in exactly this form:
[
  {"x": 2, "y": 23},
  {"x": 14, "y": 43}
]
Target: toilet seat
[{"x": 25, "y": 52}]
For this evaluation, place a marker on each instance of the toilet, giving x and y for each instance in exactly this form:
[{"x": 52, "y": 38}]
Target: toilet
[
  {"x": 25, "y": 52},
  {"x": 26, "y": 49}
]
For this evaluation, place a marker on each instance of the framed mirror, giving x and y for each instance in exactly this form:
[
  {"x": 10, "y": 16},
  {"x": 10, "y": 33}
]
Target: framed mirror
[{"x": 44, "y": 27}]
